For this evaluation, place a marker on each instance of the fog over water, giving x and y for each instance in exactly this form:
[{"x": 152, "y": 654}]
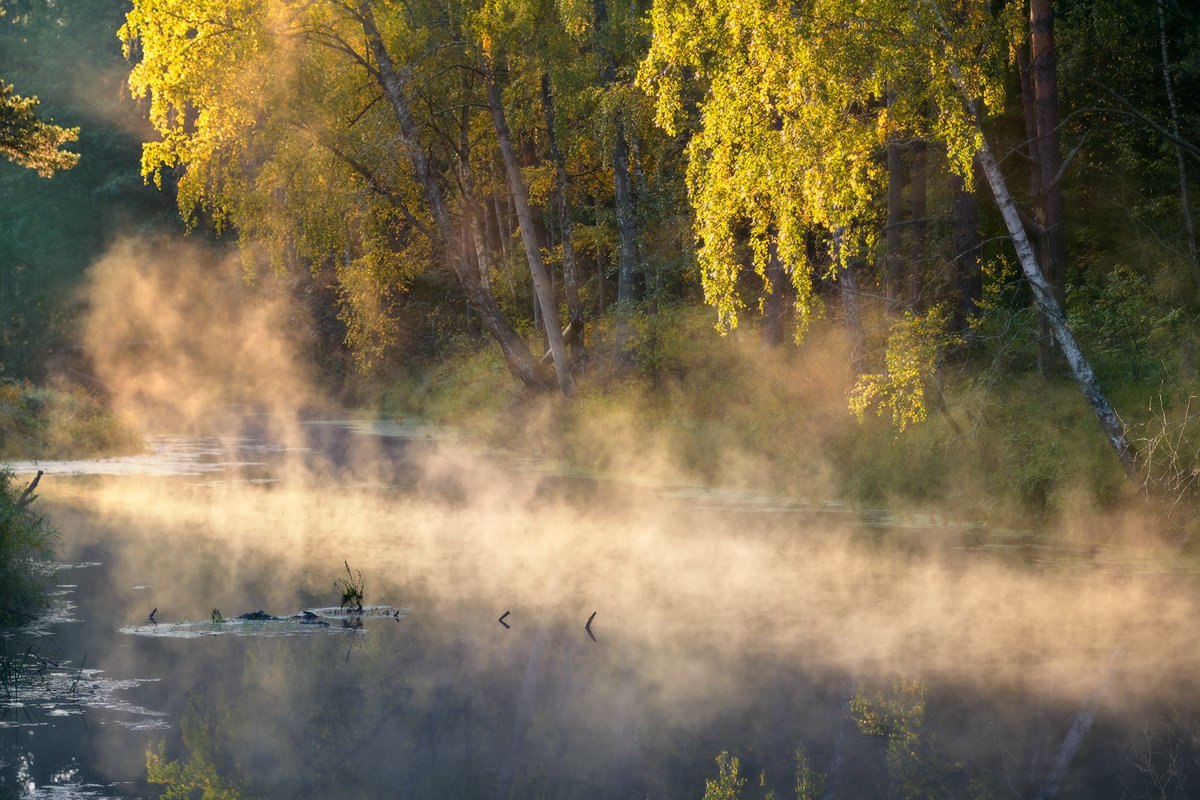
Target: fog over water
[{"x": 723, "y": 620}]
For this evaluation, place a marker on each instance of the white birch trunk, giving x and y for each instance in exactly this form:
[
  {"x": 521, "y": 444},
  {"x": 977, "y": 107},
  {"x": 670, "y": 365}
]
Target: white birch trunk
[
  {"x": 1052, "y": 312},
  {"x": 1043, "y": 296}
]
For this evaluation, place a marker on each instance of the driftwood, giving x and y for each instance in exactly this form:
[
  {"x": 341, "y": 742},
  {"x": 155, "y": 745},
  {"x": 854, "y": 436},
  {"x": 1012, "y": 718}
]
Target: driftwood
[{"x": 28, "y": 496}]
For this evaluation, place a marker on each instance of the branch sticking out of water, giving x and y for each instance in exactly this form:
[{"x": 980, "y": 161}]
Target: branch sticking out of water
[{"x": 28, "y": 496}]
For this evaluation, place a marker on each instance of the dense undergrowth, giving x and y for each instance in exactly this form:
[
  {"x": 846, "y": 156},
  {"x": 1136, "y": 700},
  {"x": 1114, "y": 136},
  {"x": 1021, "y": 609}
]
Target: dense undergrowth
[{"x": 1001, "y": 443}]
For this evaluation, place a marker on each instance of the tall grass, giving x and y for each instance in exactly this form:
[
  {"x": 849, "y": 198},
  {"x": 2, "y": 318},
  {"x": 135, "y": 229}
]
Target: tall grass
[{"x": 26, "y": 550}]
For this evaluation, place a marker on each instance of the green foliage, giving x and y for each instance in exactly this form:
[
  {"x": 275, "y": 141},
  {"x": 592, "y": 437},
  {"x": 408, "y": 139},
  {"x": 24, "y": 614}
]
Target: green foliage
[
  {"x": 914, "y": 349},
  {"x": 199, "y": 777},
  {"x": 26, "y": 549},
  {"x": 728, "y": 783},
  {"x": 794, "y": 115},
  {"x": 809, "y": 783},
  {"x": 1124, "y": 325},
  {"x": 916, "y": 766},
  {"x": 27, "y": 140}
]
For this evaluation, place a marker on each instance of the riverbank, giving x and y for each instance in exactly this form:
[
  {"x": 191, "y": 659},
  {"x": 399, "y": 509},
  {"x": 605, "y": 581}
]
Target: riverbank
[
  {"x": 44, "y": 423},
  {"x": 1001, "y": 444},
  {"x": 48, "y": 422}
]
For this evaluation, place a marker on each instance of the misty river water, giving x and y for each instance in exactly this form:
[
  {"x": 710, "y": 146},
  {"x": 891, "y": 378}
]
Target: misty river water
[{"x": 894, "y": 658}]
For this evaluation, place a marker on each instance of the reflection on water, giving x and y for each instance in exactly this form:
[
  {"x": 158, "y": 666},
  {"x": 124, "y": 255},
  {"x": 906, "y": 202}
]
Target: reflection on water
[{"x": 877, "y": 657}]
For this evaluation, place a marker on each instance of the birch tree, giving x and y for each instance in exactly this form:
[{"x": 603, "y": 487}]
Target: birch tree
[
  {"x": 795, "y": 113},
  {"x": 326, "y": 127}
]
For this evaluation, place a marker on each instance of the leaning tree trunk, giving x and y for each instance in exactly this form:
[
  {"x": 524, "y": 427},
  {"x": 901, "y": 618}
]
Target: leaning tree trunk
[
  {"x": 533, "y": 253},
  {"x": 394, "y": 83},
  {"x": 1047, "y": 304},
  {"x": 1043, "y": 295}
]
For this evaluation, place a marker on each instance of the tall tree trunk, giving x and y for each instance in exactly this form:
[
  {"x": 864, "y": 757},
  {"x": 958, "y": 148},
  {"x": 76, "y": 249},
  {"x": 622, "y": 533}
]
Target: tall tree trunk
[
  {"x": 394, "y": 83},
  {"x": 562, "y": 185},
  {"x": 600, "y": 279},
  {"x": 626, "y": 229},
  {"x": 1046, "y": 351},
  {"x": 854, "y": 326},
  {"x": 850, "y": 309},
  {"x": 1048, "y": 209},
  {"x": 775, "y": 301},
  {"x": 1029, "y": 116},
  {"x": 895, "y": 213},
  {"x": 504, "y": 233},
  {"x": 533, "y": 254},
  {"x": 916, "y": 268},
  {"x": 1045, "y": 90},
  {"x": 652, "y": 277},
  {"x": 622, "y": 188},
  {"x": 968, "y": 245},
  {"x": 1189, "y": 228}
]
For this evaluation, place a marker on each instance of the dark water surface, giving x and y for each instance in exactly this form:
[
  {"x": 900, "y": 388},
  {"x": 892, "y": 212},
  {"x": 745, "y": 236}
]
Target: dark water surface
[{"x": 899, "y": 658}]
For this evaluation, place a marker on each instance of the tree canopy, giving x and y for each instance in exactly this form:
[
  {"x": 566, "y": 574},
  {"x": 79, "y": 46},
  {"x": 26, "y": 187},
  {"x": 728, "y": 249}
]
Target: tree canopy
[
  {"x": 28, "y": 140},
  {"x": 521, "y": 166}
]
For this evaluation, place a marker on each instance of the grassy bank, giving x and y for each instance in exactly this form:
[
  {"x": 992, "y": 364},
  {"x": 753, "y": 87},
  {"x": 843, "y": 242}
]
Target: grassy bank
[
  {"x": 1001, "y": 443},
  {"x": 42, "y": 422}
]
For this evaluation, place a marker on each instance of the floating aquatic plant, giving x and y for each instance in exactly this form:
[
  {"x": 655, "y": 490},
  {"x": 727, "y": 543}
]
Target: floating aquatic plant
[{"x": 350, "y": 588}]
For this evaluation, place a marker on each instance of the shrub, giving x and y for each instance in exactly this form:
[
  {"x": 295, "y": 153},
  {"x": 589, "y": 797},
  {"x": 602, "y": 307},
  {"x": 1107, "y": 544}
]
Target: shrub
[{"x": 26, "y": 548}]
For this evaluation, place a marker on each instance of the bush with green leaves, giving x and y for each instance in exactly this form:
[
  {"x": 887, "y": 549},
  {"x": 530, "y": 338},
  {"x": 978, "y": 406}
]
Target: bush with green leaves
[
  {"x": 26, "y": 550},
  {"x": 1124, "y": 324}
]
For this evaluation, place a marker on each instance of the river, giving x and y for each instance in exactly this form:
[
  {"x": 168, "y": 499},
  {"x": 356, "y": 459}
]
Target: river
[{"x": 529, "y": 632}]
